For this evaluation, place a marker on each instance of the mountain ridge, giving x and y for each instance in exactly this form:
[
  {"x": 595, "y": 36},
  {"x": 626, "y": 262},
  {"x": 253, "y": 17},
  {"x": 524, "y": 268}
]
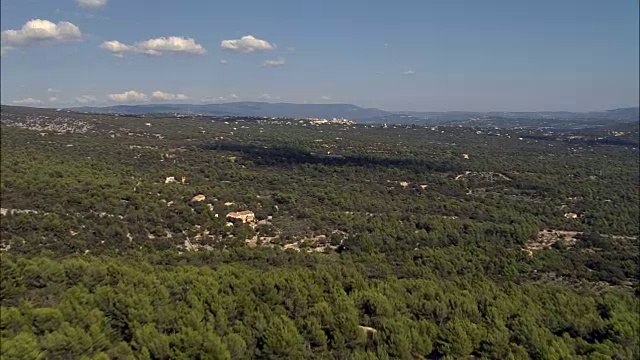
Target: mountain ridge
[
  {"x": 250, "y": 108},
  {"x": 354, "y": 112},
  {"x": 365, "y": 115}
]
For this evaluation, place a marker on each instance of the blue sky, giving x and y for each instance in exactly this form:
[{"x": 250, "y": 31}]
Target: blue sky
[{"x": 394, "y": 55}]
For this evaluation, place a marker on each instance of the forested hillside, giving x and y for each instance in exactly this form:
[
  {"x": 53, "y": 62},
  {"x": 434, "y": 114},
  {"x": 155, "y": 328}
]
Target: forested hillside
[{"x": 123, "y": 237}]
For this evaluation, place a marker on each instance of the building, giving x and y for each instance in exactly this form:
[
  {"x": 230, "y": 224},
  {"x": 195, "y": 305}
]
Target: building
[
  {"x": 242, "y": 216},
  {"x": 198, "y": 198}
]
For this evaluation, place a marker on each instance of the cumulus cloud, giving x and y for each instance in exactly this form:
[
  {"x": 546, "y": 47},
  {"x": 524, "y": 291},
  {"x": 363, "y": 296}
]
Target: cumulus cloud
[
  {"x": 116, "y": 47},
  {"x": 326, "y": 98},
  {"x": 27, "y": 101},
  {"x": 92, "y": 4},
  {"x": 128, "y": 96},
  {"x": 246, "y": 44},
  {"x": 171, "y": 44},
  {"x": 224, "y": 62},
  {"x": 273, "y": 63},
  {"x": 156, "y": 47},
  {"x": 84, "y": 99},
  {"x": 37, "y": 31},
  {"x": 162, "y": 96},
  {"x": 408, "y": 72},
  {"x": 53, "y": 99},
  {"x": 52, "y": 90},
  {"x": 234, "y": 97}
]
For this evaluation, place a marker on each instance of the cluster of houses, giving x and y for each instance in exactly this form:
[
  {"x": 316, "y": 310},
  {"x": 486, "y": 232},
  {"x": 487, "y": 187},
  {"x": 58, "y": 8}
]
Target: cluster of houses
[
  {"x": 57, "y": 125},
  {"x": 341, "y": 121},
  {"x": 314, "y": 244},
  {"x": 242, "y": 217}
]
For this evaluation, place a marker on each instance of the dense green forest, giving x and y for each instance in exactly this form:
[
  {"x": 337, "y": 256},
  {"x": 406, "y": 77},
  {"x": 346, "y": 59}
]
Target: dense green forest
[{"x": 369, "y": 242}]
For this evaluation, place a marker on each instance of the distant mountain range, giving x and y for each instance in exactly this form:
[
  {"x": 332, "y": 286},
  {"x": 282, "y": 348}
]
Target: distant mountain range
[
  {"x": 246, "y": 108},
  {"x": 367, "y": 115}
]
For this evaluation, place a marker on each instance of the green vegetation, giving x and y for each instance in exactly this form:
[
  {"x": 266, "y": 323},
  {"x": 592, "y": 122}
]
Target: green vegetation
[{"x": 368, "y": 242}]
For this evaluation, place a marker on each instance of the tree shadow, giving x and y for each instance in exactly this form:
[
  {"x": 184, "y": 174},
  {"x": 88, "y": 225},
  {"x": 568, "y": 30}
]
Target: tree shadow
[{"x": 286, "y": 155}]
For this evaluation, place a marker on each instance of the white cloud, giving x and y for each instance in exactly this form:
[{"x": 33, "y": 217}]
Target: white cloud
[
  {"x": 265, "y": 96},
  {"x": 84, "y": 99},
  {"x": 408, "y": 72},
  {"x": 116, "y": 47},
  {"x": 246, "y": 44},
  {"x": 38, "y": 31},
  {"x": 210, "y": 99},
  {"x": 171, "y": 44},
  {"x": 53, "y": 99},
  {"x": 156, "y": 47},
  {"x": 52, "y": 90},
  {"x": 27, "y": 101},
  {"x": 159, "y": 95},
  {"x": 224, "y": 62},
  {"x": 273, "y": 63},
  {"x": 234, "y": 97},
  {"x": 92, "y": 4},
  {"x": 326, "y": 98},
  {"x": 128, "y": 96}
]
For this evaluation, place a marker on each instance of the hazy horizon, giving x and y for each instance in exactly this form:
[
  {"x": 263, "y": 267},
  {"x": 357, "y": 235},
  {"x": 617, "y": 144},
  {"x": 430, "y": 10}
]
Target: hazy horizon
[
  {"x": 46, "y": 106},
  {"x": 468, "y": 56}
]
